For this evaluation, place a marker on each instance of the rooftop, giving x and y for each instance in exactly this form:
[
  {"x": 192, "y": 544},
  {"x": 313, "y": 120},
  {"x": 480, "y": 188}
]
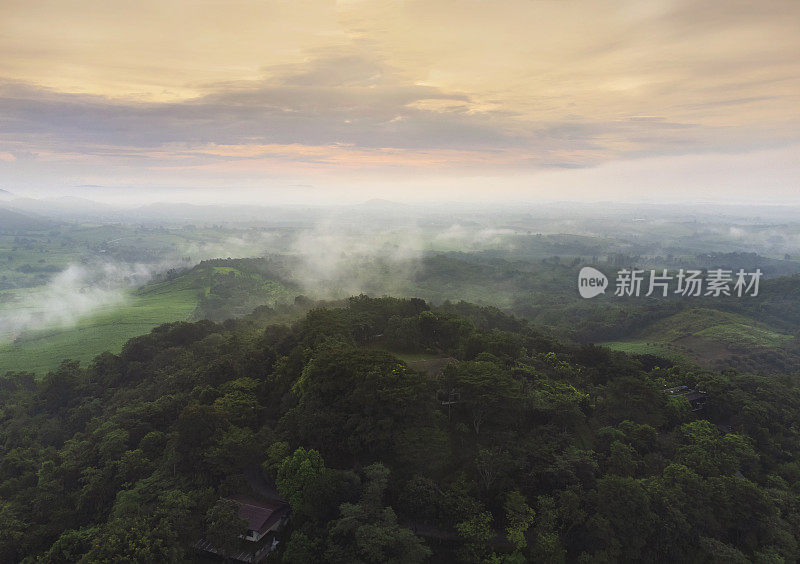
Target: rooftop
[{"x": 260, "y": 515}]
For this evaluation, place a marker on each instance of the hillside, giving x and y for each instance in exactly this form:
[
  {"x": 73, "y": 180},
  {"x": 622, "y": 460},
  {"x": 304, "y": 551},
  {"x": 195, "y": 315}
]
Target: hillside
[
  {"x": 708, "y": 337},
  {"x": 542, "y": 451},
  {"x": 106, "y": 330},
  {"x": 13, "y": 222},
  {"x": 752, "y": 334},
  {"x": 757, "y": 334},
  {"x": 205, "y": 291}
]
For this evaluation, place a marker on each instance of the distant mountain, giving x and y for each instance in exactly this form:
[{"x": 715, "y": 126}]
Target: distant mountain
[
  {"x": 66, "y": 207},
  {"x": 15, "y": 222},
  {"x": 381, "y": 204},
  {"x": 210, "y": 214}
]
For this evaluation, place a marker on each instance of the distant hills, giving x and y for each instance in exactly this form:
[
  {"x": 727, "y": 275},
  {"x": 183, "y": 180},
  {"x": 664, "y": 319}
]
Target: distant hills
[
  {"x": 753, "y": 335},
  {"x": 12, "y": 222}
]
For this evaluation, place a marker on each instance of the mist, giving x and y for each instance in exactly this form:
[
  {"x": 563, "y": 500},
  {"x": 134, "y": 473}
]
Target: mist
[
  {"x": 337, "y": 261},
  {"x": 74, "y": 293},
  {"x": 375, "y": 248}
]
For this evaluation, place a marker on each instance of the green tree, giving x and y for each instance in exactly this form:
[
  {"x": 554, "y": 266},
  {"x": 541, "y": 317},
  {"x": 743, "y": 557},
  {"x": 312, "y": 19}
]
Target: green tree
[
  {"x": 12, "y": 530},
  {"x": 621, "y": 459},
  {"x": 519, "y": 518},
  {"x": 357, "y": 404},
  {"x": 489, "y": 395},
  {"x": 301, "y": 549},
  {"x": 710, "y": 452},
  {"x": 224, "y": 526},
  {"x": 476, "y": 531},
  {"x": 297, "y": 473},
  {"x": 369, "y": 532},
  {"x": 135, "y": 539}
]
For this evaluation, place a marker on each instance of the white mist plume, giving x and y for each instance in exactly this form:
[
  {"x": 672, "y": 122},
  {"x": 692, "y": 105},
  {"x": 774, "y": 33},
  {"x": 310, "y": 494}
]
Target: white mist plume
[
  {"x": 75, "y": 292},
  {"x": 338, "y": 261},
  {"x": 82, "y": 290},
  {"x": 468, "y": 237}
]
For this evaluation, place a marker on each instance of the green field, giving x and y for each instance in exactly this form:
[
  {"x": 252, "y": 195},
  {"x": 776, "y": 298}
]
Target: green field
[
  {"x": 204, "y": 291},
  {"x": 640, "y": 347},
  {"x": 105, "y": 331}
]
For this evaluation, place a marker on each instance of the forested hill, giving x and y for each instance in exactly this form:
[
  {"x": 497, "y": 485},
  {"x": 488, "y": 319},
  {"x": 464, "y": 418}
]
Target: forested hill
[
  {"x": 13, "y": 222},
  {"x": 398, "y": 433}
]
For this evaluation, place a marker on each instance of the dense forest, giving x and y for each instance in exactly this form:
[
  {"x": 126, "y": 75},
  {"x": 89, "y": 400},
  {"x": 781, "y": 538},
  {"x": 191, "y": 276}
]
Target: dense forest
[{"x": 397, "y": 432}]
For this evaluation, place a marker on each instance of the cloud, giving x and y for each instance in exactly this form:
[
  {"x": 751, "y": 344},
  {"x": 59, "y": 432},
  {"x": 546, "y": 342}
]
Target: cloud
[
  {"x": 312, "y": 106},
  {"x": 344, "y": 112},
  {"x": 253, "y": 91}
]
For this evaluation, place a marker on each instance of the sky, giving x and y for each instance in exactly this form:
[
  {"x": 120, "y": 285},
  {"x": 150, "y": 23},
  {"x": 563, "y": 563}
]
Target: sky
[{"x": 294, "y": 101}]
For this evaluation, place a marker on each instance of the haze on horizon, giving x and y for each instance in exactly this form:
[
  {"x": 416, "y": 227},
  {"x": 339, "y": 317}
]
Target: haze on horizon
[{"x": 323, "y": 102}]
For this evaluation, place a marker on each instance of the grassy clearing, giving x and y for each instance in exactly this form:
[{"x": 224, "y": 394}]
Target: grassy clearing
[
  {"x": 738, "y": 335},
  {"x": 408, "y": 358},
  {"x": 107, "y": 330},
  {"x": 643, "y": 347},
  {"x": 149, "y": 306},
  {"x": 703, "y": 335}
]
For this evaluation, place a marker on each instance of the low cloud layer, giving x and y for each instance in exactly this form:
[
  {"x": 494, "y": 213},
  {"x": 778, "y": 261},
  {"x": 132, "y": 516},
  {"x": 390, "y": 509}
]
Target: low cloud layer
[{"x": 378, "y": 249}]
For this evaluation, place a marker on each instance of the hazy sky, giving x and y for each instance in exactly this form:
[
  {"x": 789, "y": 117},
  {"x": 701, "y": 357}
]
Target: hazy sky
[{"x": 323, "y": 101}]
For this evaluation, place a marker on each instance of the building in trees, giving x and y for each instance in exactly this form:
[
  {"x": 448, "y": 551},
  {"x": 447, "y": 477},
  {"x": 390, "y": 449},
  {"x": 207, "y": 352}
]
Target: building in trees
[
  {"x": 696, "y": 398},
  {"x": 263, "y": 520},
  {"x": 263, "y": 517}
]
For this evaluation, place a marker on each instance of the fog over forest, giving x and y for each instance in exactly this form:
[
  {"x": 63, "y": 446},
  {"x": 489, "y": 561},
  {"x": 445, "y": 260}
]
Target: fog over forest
[{"x": 330, "y": 246}]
